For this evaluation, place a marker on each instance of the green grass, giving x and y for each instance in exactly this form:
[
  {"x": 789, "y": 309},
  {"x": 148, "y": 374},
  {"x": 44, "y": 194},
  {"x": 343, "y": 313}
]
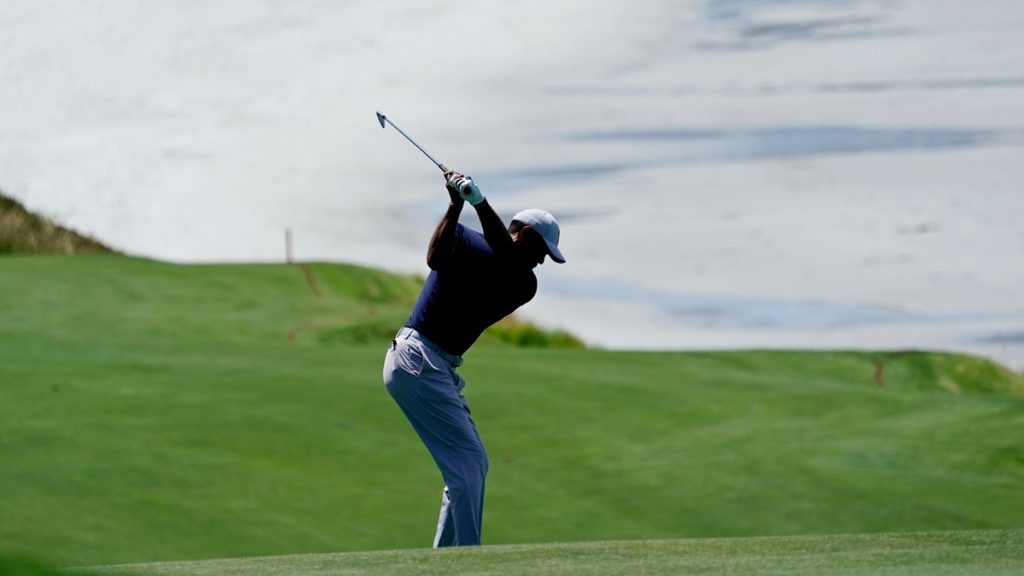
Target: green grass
[
  {"x": 25, "y": 567},
  {"x": 927, "y": 554},
  {"x": 156, "y": 412}
]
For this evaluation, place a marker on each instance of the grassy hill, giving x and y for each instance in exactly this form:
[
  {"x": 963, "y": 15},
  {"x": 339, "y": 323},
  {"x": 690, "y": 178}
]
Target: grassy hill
[
  {"x": 24, "y": 232},
  {"x": 965, "y": 553},
  {"x": 156, "y": 412}
]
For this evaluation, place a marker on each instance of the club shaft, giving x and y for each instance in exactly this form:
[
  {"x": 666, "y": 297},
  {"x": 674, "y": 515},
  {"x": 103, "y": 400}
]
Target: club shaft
[{"x": 427, "y": 154}]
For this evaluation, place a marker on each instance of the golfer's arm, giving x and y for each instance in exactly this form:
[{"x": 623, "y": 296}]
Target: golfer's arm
[
  {"x": 442, "y": 243},
  {"x": 495, "y": 232}
]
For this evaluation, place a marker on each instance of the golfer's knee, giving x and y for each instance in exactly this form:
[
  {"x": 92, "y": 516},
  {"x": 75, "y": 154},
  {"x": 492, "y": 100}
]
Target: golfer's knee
[{"x": 469, "y": 477}]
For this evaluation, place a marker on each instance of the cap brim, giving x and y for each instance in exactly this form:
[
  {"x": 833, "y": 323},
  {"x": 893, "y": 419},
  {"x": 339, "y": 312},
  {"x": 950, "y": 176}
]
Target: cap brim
[{"x": 555, "y": 253}]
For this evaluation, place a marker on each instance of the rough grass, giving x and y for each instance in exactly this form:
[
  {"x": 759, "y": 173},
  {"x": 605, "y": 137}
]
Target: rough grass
[
  {"x": 26, "y": 233},
  {"x": 514, "y": 331},
  {"x": 157, "y": 412}
]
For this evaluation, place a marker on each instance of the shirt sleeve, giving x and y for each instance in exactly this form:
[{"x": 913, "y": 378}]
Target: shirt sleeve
[{"x": 470, "y": 244}]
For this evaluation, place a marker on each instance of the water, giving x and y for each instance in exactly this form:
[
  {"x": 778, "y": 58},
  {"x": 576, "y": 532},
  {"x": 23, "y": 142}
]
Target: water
[{"x": 728, "y": 173}]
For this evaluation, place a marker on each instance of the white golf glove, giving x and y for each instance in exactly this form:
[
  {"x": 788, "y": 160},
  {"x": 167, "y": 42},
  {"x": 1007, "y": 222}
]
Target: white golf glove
[{"x": 467, "y": 189}]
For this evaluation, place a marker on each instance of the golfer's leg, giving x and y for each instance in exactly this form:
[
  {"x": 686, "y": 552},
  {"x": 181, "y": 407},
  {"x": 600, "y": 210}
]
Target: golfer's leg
[
  {"x": 468, "y": 510},
  {"x": 445, "y": 535},
  {"x": 440, "y": 416},
  {"x": 444, "y": 425}
]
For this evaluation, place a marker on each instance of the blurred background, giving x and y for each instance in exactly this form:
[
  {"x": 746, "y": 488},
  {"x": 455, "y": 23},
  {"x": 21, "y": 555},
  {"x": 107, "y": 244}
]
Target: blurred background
[{"x": 728, "y": 173}]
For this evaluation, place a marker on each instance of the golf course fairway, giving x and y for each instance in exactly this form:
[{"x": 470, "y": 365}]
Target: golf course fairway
[
  {"x": 154, "y": 412},
  {"x": 976, "y": 553}
]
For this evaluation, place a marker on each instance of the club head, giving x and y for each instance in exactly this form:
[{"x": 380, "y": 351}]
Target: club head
[{"x": 381, "y": 118}]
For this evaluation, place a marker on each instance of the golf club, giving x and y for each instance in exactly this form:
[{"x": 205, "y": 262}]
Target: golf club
[{"x": 382, "y": 119}]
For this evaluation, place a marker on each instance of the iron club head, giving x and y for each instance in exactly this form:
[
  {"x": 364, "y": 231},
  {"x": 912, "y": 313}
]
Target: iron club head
[{"x": 381, "y": 118}]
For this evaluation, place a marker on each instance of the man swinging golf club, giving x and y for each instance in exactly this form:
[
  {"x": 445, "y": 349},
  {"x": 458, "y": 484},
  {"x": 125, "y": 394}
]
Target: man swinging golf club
[{"x": 475, "y": 280}]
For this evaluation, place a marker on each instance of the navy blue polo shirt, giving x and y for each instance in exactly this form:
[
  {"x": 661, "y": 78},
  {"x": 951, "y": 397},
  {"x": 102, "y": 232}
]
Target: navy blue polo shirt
[{"x": 469, "y": 291}]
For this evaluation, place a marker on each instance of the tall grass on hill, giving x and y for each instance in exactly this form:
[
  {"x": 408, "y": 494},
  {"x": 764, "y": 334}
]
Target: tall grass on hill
[{"x": 22, "y": 232}]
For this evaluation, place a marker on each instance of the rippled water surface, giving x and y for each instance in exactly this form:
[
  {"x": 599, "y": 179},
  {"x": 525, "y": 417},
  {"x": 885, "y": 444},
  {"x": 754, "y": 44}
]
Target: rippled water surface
[{"x": 728, "y": 173}]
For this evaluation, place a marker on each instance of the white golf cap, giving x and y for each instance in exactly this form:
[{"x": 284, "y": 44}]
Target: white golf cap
[{"x": 546, "y": 225}]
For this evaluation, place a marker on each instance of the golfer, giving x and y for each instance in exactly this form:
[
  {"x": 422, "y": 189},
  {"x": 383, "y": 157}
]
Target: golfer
[{"x": 475, "y": 280}]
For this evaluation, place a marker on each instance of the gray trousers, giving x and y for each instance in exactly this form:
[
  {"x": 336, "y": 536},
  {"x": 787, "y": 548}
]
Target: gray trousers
[{"x": 422, "y": 380}]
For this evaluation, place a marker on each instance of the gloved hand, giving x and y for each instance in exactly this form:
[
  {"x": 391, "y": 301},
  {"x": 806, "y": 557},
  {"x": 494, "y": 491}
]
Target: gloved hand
[{"x": 465, "y": 188}]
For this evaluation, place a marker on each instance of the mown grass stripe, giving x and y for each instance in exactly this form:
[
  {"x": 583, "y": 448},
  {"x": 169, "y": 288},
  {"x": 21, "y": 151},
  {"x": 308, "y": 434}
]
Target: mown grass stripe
[{"x": 963, "y": 553}]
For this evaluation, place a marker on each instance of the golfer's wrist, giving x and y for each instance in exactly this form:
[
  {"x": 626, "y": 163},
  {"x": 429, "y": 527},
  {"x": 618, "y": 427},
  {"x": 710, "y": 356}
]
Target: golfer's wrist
[{"x": 476, "y": 198}]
